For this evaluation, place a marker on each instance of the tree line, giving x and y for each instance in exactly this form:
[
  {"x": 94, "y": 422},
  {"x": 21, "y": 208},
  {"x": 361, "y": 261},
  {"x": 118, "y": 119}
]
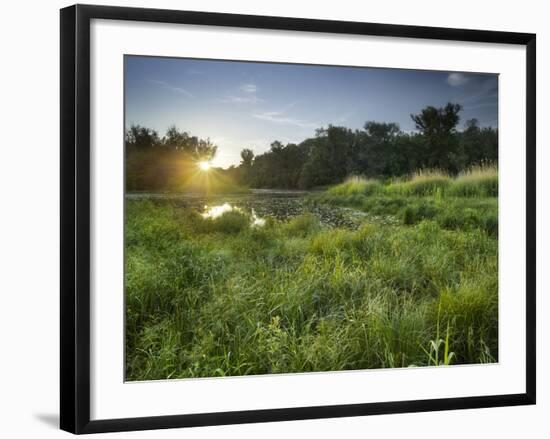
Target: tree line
[
  {"x": 379, "y": 149},
  {"x": 159, "y": 164}
]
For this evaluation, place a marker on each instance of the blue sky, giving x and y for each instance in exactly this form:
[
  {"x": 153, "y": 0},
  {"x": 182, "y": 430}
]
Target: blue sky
[{"x": 249, "y": 105}]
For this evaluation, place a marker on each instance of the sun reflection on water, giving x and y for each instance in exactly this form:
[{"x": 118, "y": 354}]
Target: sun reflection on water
[{"x": 219, "y": 210}]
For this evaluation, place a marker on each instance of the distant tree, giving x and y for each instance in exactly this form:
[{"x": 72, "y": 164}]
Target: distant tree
[
  {"x": 247, "y": 156},
  {"x": 244, "y": 171},
  {"x": 376, "y": 151},
  {"x": 161, "y": 164},
  {"x": 380, "y": 149},
  {"x": 176, "y": 139},
  {"x": 478, "y": 145},
  {"x": 381, "y": 131},
  {"x": 191, "y": 146},
  {"x": 276, "y": 147},
  {"x": 139, "y": 137},
  {"x": 438, "y": 127},
  {"x": 205, "y": 150},
  {"x": 437, "y": 121},
  {"x": 330, "y": 157}
]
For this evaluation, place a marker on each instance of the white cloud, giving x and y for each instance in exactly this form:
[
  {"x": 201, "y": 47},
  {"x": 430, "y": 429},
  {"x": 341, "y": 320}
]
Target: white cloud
[
  {"x": 279, "y": 117},
  {"x": 171, "y": 87},
  {"x": 246, "y": 95},
  {"x": 456, "y": 79},
  {"x": 249, "y": 88},
  {"x": 252, "y": 99}
]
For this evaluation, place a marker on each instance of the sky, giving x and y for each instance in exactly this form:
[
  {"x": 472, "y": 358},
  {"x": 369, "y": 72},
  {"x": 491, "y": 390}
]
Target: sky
[{"x": 249, "y": 105}]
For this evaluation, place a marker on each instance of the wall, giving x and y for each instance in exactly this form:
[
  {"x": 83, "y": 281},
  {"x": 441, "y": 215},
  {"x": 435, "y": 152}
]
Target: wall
[{"x": 29, "y": 236}]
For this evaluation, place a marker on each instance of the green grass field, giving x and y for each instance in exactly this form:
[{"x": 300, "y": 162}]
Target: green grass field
[{"x": 219, "y": 296}]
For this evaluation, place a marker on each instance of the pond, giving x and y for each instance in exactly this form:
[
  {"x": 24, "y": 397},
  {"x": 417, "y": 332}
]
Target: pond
[{"x": 282, "y": 205}]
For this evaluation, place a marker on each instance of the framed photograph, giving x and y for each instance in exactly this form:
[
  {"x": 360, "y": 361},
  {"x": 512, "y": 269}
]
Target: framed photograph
[{"x": 268, "y": 218}]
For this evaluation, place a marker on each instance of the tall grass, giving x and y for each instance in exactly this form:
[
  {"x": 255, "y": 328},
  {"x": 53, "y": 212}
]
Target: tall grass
[
  {"x": 477, "y": 181},
  {"x": 424, "y": 182},
  {"x": 356, "y": 185},
  {"x": 219, "y": 298},
  {"x": 465, "y": 202}
]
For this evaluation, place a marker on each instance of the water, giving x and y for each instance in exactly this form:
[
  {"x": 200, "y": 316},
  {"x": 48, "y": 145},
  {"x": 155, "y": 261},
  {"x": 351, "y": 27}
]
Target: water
[{"x": 262, "y": 203}]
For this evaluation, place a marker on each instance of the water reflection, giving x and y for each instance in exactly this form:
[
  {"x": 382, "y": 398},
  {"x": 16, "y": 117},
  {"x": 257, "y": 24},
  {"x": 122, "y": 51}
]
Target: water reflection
[
  {"x": 220, "y": 209},
  {"x": 263, "y": 204},
  {"x": 217, "y": 211},
  {"x": 256, "y": 220}
]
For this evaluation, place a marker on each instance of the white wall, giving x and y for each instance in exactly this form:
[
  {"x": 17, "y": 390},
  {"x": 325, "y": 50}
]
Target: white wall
[{"x": 29, "y": 235}]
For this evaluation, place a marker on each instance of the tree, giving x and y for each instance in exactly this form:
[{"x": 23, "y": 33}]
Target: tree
[
  {"x": 438, "y": 127},
  {"x": 380, "y": 149},
  {"x": 139, "y": 137},
  {"x": 176, "y": 139},
  {"x": 245, "y": 169},
  {"x": 204, "y": 150},
  {"x": 376, "y": 153},
  {"x": 330, "y": 158},
  {"x": 193, "y": 147},
  {"x": 162, "y": 164},
  {"x": 381, "y": 131},
  {"x": 247, "y": 156},
  {"x": 478, "y": 145},
  {"x": 437, "y": 121}
]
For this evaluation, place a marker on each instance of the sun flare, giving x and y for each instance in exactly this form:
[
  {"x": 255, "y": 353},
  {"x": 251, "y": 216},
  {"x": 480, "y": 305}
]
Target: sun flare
[{"x": 204, "y": 166}]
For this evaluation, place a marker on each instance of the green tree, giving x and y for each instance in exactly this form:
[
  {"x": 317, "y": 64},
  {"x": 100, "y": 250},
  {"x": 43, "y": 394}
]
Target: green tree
[
  {"x": 438, "y": 127},
  {"x": 139, "y": 137}
]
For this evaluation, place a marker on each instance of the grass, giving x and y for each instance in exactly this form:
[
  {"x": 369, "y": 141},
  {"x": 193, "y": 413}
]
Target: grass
[
  {"x": 356, "y": 185},
  {"x": 478, "y": 181},
  {"x": 220, "y": 297},
  {"x": 466, "y": 202}
]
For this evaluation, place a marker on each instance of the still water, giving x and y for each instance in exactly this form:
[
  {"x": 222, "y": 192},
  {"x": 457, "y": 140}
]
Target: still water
[{"x": 262, "y": 203}]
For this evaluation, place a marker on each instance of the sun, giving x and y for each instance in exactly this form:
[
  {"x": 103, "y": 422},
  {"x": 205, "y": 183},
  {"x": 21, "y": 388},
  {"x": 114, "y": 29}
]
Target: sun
[{"x": 204, "y": 166}]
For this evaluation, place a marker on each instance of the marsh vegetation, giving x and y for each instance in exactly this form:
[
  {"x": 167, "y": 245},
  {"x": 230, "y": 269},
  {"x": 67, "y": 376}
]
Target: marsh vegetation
[{"x": 366, "y": 274}]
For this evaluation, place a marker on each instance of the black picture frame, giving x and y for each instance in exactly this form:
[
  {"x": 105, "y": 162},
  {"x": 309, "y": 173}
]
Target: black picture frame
[{"x": 75, "y": 217}]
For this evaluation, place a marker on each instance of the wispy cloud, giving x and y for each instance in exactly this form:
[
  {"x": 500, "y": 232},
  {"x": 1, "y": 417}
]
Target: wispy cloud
[
  {"x": 280, "y": 117},
  {"x": 253, "y": 99},
  {"x": 246, "y": 94},
  {"x": 249, "y": 88},
  {"x": 456, "y": 79},
  {"x": 481, "y": 89},
  {"x": 171, "y": 87},
  {"x": 479, "y": 94}
]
